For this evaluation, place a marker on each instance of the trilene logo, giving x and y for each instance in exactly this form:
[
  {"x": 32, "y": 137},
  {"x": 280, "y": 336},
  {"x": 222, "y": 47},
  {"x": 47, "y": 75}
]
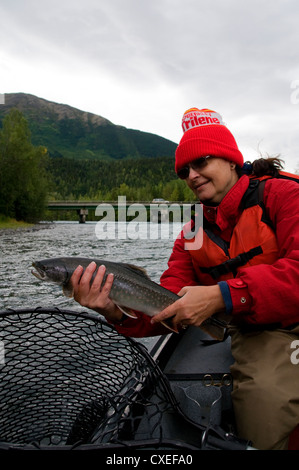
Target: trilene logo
[{"x": 197, "y": 119}]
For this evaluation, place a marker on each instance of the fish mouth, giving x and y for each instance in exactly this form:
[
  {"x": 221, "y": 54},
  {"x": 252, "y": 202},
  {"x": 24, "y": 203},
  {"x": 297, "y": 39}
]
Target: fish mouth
[{"x": 38, "y": 272}]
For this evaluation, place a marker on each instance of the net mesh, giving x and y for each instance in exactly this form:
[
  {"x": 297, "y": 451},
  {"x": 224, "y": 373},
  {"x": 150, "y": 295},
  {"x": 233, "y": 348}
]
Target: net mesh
[{"x": 70, "y": 379}]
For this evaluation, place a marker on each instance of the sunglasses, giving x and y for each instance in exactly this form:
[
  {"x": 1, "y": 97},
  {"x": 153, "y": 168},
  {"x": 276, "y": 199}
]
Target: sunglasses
[{"x": 196, "y": 165}]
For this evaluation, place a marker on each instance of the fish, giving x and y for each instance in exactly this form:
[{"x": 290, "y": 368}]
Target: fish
[{"x": 132, "y": 289}]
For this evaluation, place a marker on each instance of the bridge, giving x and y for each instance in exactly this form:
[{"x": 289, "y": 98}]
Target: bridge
[
  {"x": 82, "y": 207},
  {"x": 75, "y": 205}
]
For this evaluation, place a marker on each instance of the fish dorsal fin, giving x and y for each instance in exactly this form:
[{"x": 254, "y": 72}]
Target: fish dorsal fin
[{"x": 137, "y": 269}]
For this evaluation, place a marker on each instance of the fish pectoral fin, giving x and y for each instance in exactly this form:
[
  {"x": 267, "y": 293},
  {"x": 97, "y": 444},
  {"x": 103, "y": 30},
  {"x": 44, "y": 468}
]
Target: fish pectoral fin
[
  {"x": 168, "y": 324},
  {"x": 128, "y": 311},
  {"x": 68, "y": 290}
]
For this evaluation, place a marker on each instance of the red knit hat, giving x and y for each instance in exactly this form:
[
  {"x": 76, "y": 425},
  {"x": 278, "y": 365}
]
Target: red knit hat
[{"x": 205, "y": 134}]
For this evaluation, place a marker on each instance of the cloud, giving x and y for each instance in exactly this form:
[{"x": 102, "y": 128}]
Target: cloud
[{"x": 141, "y": 64}]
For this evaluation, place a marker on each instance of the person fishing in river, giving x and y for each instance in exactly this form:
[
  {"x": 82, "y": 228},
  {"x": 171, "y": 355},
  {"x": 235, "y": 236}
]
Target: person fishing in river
[{"x": 246, "y": 268}]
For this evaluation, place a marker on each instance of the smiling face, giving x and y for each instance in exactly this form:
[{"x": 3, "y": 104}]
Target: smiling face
[{"x": 211, "y": 183}]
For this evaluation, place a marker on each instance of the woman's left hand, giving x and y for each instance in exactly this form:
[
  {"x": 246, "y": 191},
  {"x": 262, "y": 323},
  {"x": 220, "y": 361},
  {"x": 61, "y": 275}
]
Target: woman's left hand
[{"x": 196, "y": 305}]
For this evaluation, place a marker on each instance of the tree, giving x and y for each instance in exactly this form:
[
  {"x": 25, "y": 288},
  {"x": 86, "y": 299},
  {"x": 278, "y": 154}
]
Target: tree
[{"x": 23, "y": 180}]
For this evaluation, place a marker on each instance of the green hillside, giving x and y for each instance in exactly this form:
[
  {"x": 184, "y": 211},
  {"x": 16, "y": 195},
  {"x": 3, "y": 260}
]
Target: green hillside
[
  {"x": 29, "y": 177},
  {"x": 99, "y": 180},
  {"x": 72, "y": 133}
]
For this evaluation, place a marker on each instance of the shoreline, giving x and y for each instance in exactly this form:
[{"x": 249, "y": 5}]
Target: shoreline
[{"x": 26, "y": 228}]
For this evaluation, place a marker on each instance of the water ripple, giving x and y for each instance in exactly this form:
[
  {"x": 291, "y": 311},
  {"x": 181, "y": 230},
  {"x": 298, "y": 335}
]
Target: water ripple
[{"x": 20, "y": 289}]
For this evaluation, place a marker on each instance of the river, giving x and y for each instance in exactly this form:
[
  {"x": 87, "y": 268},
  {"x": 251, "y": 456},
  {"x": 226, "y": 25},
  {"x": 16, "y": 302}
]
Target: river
[{"x": 148, "y": 246}]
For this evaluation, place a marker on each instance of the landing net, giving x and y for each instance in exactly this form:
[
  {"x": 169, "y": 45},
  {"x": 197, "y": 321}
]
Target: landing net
[{"x": 70, "y": 380}]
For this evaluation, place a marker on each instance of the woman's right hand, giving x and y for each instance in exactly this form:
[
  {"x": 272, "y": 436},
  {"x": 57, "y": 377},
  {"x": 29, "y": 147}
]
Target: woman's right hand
[{"x": 95, "y": 296}]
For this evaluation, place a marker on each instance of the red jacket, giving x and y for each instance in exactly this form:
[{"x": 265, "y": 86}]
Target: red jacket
[{"x": 261, "y": 294}]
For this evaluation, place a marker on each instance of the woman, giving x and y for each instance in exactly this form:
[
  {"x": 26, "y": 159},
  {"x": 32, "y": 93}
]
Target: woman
[{"x": 247, "y": 267}]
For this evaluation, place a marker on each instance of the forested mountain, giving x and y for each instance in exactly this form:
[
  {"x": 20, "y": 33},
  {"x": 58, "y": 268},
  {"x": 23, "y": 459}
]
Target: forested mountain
[
  {"x": 69, "y": 132},
  {"x": 138, "y": 180},
  {"x": 54, "y": 152}
]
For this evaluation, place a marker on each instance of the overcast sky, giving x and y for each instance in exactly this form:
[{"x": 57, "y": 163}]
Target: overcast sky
[{"x": 142, "y": 63}]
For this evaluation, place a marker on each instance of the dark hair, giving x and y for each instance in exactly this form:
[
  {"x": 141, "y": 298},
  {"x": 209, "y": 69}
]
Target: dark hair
[{"x": 261, "y": 167}]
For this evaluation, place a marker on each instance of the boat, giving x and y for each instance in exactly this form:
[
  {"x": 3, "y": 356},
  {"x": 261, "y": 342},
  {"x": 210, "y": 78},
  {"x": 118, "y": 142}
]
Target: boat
[{"x": 70, "y": 381}]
